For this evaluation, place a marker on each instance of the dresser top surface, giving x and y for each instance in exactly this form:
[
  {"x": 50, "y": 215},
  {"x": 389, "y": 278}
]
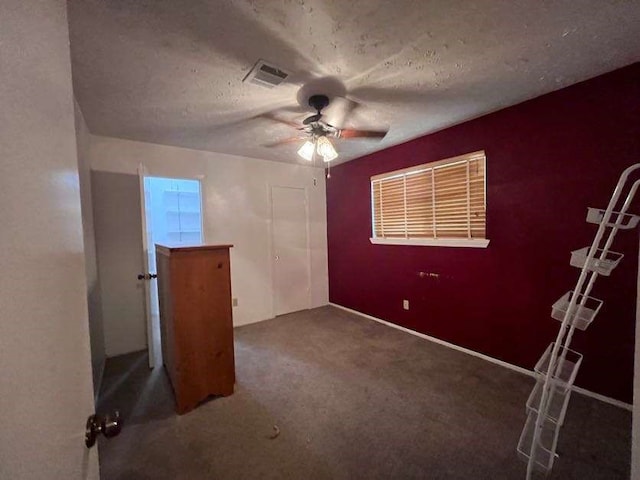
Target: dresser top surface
[{"x": 175, "y": 248}]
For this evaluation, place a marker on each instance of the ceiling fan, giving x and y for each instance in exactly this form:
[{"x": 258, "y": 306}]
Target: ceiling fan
[{"x": 316, "y": 132}]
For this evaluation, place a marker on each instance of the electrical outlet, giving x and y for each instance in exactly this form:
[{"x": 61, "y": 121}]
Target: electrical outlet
[
  {"x": 405, "y": 304},
  {"x": 234, "y": 302}
]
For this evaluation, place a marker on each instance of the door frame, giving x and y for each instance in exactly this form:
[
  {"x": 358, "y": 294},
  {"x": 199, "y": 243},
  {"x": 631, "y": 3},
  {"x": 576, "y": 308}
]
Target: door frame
[
  {"x": 271, "y": 246},
  {"x": 143, "y": 173}
]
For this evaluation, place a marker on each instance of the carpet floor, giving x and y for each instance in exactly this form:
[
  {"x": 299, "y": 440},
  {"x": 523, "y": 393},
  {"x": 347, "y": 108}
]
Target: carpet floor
[{"x": 352, "y": 399}]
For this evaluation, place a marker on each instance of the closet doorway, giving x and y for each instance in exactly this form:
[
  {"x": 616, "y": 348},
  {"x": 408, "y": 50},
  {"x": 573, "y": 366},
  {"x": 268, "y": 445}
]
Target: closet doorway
[
  {"x": 291, "y": 272},
  {"x": 172, "y": 216}
]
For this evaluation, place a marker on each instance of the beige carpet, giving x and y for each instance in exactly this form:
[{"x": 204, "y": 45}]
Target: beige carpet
[{"x": 353, "y": 399}]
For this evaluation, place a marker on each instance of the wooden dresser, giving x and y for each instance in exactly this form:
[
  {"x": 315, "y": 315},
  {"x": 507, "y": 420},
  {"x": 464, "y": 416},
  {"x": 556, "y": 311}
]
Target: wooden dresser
[{"x": 194, "y": 290}]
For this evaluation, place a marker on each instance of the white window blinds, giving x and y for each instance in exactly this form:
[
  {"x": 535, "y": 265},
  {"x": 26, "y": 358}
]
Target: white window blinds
[{"x": 444, "y": 199}]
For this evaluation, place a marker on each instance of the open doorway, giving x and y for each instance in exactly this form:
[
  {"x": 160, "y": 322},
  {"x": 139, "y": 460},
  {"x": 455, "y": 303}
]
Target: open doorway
[
  {"x": 173, "y": 216},
  {"x": 132, "y": 213}
]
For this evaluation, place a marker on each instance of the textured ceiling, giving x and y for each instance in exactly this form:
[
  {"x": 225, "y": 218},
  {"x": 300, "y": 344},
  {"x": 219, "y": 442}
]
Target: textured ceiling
[{"x": 170, "y": 71}]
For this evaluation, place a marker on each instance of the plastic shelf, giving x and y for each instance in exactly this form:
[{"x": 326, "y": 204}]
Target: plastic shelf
[
  {"x": 545, "y": 451},
  {"x": 556, "y": 403},
  {"x": 565, "y": 368},
  {"x": 603, "y": 266},
  {"x": 582, "y": 315},
  {"x": 624, "y": 221}
]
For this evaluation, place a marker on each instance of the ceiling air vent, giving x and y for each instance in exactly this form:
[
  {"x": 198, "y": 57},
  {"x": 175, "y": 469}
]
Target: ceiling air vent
[{"x": 266, "y": 75}]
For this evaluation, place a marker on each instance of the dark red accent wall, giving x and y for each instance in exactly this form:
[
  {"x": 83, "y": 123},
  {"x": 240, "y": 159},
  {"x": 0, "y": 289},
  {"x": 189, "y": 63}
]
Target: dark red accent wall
[{"x": 548, "y": 159}]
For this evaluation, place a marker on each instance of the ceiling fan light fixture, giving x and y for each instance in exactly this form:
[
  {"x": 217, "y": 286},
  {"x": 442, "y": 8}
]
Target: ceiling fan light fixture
[
  {"x": 326, "y": 149},
  {"x": 306, "y": 150},
  {"x": 330, "y": 156}
]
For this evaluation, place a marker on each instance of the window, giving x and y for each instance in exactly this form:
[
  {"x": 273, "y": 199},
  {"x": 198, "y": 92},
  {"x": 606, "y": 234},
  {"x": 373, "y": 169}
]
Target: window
[{"x": 438, "y": 203}]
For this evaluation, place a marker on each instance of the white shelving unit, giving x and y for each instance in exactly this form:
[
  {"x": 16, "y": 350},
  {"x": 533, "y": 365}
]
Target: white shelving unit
[
  {"x": 585, "y": 313},
  {"x": 558, "y": 366}
]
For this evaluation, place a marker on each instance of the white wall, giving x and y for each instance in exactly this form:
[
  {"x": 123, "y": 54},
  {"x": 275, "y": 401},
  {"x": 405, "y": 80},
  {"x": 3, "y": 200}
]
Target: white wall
[
  {"x": 118, "y": 229},
  {"x": 236, "y": 210},
  {"x": 45, "y": 362},
  {"x": 96, "y": 330}
]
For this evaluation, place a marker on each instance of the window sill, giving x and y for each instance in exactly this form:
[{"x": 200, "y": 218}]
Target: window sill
[{"x": 433, "y": 242}]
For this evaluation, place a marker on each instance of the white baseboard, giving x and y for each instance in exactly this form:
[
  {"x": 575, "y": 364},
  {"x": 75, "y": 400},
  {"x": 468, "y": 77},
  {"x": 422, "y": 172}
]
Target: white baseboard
[{"x": 530, "y": 373}]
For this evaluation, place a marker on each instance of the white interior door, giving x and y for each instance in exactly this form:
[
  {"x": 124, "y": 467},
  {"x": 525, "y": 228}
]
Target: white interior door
[
  {"x": 147, "y": 261},
  {"x": 290, "y": 249},
  {"x": 46, "y": 390}
]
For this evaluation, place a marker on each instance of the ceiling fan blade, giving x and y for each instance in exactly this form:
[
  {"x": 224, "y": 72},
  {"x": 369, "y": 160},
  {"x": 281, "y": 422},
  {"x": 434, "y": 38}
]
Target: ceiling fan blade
[
  {"x": 284, "y": 141},
  {"x": 271, "y": 116},
  {"x": 297, "y": 109},
  {"x": 339, "y": 111},
  {"x": 352, "y": 133}
]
